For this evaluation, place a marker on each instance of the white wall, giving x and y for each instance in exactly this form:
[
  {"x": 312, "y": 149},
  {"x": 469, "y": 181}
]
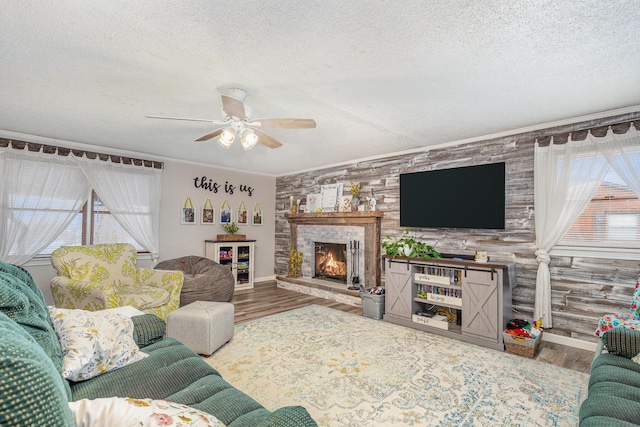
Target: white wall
[{"x": 178, "y": 240}]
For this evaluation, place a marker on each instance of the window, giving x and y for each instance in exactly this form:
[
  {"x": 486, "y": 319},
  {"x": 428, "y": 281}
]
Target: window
[
  {"x": 93, "y": 224},
  {"x": 610, "y": 223},
  {"x": 622, "y": 226}
]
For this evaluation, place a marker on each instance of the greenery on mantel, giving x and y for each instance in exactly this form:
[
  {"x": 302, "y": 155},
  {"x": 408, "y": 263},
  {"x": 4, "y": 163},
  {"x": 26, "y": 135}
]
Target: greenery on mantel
[{"x": 407, "y": 246}]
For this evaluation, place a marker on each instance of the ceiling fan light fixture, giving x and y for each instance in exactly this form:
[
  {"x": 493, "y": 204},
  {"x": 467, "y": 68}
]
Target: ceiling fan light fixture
[
  {"x": 238, "y": 122},
  {"x": 227, "y": 137},
  {"x": 249, "y": 139}
]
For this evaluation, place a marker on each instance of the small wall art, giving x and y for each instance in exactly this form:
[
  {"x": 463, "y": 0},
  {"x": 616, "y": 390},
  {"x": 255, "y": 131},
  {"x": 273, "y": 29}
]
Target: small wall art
[
  {"x": 314, "y": 203},
  {"x": 208, "y": 213},
  {"x": 256, "y": 217},
  {"x": 344, "y": 204},
  {"x": 302, "y": 206},
  {"x": 242, "y": 216},
  {"x": 225, "y": 213},
  {"x": 187, "y": 212},
  {"x": 329, "y": 195}
]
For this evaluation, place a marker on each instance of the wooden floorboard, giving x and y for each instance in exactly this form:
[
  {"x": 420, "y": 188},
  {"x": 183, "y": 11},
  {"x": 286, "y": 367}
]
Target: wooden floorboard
[{"x": 266, "y": 299}]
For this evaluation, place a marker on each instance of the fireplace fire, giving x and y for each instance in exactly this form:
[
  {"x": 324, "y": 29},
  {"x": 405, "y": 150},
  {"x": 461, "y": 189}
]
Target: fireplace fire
[{"x": 331, "y": 261}]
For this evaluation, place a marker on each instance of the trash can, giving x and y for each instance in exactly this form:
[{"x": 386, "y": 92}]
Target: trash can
[{"x": 372, "y": 302}]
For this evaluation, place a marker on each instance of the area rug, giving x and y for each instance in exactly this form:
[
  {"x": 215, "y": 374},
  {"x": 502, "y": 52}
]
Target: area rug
[{"x": 348, "y": 370}]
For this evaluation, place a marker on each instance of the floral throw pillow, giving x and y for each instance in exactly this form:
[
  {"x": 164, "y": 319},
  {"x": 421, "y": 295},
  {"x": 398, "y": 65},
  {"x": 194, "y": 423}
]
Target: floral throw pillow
[
  {"x": 93, "y": 342},
  {"x": 124, "y": 411}
]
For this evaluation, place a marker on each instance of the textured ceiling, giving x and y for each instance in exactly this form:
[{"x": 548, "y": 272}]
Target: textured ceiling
[{"x": 377, "y": 76}]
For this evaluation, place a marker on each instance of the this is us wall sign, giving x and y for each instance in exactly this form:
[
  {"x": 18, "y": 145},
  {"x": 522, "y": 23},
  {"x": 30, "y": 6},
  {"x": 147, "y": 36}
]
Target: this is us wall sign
[{"x": 215, "y": 187}]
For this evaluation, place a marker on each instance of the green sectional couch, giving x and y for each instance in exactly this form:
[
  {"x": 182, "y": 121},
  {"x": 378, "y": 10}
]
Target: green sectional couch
[
  {"x": 614, "y": 384},
  {"x": 34, "y": 392}
]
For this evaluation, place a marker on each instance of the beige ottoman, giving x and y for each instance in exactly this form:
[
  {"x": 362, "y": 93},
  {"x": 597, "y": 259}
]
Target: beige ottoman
[{"x": 203, "y": 326}]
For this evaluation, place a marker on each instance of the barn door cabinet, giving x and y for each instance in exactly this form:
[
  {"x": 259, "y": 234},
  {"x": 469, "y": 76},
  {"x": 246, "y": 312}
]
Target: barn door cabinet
[{"x": 464, "y": 300}]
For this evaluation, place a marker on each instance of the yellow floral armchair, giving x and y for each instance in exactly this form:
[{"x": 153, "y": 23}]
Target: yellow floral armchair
[{"x": 103, "y": 276}]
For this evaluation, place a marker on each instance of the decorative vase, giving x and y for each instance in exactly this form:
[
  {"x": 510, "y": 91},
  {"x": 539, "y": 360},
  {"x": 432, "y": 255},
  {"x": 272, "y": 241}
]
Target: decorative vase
[
  {"x": 299, "y": 268},
  {"x": 355, "y": 202},
  {"x": 295, "y": 263}
]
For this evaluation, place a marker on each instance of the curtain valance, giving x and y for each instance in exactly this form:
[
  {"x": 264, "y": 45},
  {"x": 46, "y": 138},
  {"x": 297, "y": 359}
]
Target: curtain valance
[
  {"x": 581, "y": 134},
  {"x": 63, "y": 151}
]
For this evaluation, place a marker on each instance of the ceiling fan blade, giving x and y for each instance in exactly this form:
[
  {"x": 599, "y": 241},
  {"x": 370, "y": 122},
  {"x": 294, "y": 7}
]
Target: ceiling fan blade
[
  {"x": 266, "y": 139},
  {"x": 210, "y": 135},
  {"x": 189, "y": 119},
  {"x": 233, "y": 107},
  {"x": 284, "y": 123}
]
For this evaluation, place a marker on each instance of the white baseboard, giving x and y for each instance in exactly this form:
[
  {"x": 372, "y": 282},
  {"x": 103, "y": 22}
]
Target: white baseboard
[
  {"x": 570, "y": 342},
  {"x": 264, "y": 279}
]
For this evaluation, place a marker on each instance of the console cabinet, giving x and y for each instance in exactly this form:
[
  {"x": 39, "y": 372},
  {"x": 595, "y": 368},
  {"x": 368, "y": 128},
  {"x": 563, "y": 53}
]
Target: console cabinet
[
  {"x": 237, "y": 256},
  {"x": 465, "y": 300},
  {"x": 398, "y": 290}
]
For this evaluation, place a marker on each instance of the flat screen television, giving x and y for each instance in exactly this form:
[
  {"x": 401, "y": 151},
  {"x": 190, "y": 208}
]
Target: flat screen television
[{"x": 465, "y": 197}]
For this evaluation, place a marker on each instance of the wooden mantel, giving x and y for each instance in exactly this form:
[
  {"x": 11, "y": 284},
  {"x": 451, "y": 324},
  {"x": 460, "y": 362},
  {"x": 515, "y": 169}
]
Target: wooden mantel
[{"x": 370, "y": 220}]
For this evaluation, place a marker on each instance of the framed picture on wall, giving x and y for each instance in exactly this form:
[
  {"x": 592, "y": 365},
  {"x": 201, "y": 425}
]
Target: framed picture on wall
[
  {"x": 208, "y": 213},
  {"x": 242, "y": 217},
  {"x": 256, "y": 217},
  {"x": 187, "y": 212},
  {"x": 225, "y": 213}
]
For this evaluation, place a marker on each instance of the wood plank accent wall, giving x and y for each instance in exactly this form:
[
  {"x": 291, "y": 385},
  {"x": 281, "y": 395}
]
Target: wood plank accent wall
[{"x": 583, "y": 289}]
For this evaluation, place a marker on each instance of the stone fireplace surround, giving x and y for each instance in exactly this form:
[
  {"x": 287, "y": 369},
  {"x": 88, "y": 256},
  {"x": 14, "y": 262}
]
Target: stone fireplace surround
[
  {"x": 339, "y": 227},
  {"x": 308, "y": 235}
]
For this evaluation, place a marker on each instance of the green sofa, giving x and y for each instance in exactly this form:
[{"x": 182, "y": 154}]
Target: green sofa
[
  {"x": 614, "y": 384},
  {"x": 33, "y": 391}
]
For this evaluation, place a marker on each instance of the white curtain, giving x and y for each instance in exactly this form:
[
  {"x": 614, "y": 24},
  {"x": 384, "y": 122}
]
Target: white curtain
[
  {"x": 623, "y": 154},
  {"x": 132, "y": 195},
  {"x": 566, "y": 178},
  {"x": 40, "y": 194}
]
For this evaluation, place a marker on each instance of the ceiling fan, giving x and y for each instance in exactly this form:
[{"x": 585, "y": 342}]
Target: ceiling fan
[{"x": 237, "y": 123}]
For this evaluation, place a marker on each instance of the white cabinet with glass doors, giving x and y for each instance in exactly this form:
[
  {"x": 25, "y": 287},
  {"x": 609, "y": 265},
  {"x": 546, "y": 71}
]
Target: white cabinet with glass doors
[{"x": 237, "y": 256}]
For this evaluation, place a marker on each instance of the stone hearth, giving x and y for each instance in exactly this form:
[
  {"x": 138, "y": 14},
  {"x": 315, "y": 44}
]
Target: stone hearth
[{"x": 320, "y": 288}]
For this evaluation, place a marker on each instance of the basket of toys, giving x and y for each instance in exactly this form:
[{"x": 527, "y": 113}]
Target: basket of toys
[{"x": 522, "y": 337}]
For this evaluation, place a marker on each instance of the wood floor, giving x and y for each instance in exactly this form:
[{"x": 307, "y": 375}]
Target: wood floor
[{"x": 266, "y": 298}]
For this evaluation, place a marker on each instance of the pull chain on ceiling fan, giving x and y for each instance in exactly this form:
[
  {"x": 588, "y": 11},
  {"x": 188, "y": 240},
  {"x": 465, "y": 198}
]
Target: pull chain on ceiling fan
[{"x": 237, "y": 123}]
